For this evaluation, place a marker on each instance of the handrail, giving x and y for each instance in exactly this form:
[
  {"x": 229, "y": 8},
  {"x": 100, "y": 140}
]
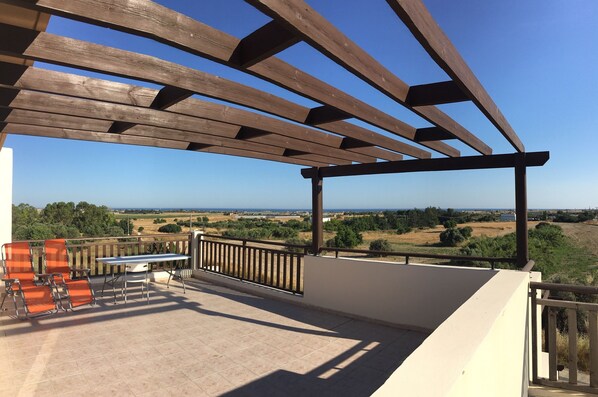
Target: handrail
[
  {"x": 528, "y": 266},
  {"x": 492, "y": 260},
  {"x": 111, "y": 237},
  {"x": 257, "y": 241},
  {"x": 577, "y": 289}
]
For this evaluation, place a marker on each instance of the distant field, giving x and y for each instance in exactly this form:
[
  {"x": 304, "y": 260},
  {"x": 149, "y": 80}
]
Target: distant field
[{"x": 583, "y": 234}]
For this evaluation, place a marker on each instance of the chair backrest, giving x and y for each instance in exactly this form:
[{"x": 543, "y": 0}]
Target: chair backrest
[
  {"x": 57, "y": 259},
  {"x": 137, "y": 272},
  {"x": 18, "y": 261}
]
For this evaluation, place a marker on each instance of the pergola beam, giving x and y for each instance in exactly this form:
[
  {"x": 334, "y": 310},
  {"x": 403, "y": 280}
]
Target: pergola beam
[
  {"x": 533, "y": 159},
  {"x": 417, "y": 18},
  {"x": 431, "y": 134},
  {"x": 219, "y": 117},
  {"x": 435, "y": 94},
  {"x": 151, "y": 20},
  {"x": 330, "y": 41},
  {"x": 268, "y": 40},
  {"x": 58, "y": 104},
  {"x": 64, "y": 133}
]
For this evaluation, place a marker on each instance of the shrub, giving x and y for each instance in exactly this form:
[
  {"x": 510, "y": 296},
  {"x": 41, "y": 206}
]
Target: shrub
[
  {"x": 403, "y": 228},
  {"x": 466, "y": 231},
  {"x": 296, "y": 241},
  {"x": 140, "y": 229},
  {"x": 451, "y": 237},
  {"x": 345, "y": 238},
  {"x": 170, "y": 228},
  {"x": 381, "y": 245},
  {"x": 159, "y": 220},
  {"x": 450, "y": 224}
]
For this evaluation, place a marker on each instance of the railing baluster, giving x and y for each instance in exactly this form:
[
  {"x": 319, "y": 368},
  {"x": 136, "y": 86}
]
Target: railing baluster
[
  {"x": 552, "y": 353},
  {"x": 278, "y": 269},
  {"x": 593, "y": 334},
  {"x": 572, "y": 335}
]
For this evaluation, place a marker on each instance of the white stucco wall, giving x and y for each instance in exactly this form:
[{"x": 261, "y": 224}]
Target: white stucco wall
[
  {"x": 412, "y": 296},
  {"x": 480, "y": 350},
  {"x": 5, "y": 195}
]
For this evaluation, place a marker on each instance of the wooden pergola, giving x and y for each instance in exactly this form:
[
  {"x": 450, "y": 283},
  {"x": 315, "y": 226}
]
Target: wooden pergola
[{"x": 41, "y": 102}]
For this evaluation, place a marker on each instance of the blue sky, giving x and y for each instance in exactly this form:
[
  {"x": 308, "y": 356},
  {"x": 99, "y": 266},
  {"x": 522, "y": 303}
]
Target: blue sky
[{"x": 537, "y": 59}]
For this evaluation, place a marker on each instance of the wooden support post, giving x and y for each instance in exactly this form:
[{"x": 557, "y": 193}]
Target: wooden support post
[
  {"x": 521, "y": 210},
  {"x": 317, "y": 224}
]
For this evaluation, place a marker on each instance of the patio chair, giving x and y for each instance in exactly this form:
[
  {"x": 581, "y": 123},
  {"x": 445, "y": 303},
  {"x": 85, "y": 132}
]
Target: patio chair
[
  {"x": 136, "y": 273},
  {"x": 77, "y": 290},
  {"x": 34, "y": 290}
]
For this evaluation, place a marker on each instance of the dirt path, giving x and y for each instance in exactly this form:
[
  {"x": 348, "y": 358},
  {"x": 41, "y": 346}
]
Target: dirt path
[{"x": 584, "y": 235}]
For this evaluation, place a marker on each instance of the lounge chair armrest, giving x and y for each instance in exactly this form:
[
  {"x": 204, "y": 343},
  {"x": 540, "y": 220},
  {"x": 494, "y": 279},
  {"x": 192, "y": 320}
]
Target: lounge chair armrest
[{"x": 11, "y": 280}]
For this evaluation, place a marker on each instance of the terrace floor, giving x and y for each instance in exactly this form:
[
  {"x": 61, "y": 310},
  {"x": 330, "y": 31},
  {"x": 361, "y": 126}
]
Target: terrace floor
[{"x": 210, "y": 341}]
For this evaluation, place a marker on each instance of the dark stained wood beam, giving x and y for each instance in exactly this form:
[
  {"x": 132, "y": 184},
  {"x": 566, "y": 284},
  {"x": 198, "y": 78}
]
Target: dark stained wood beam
[
  {"x": 327, "y": 39},
  {"x": 168, "y": 96},
  {"x": 59, "y": 104},
  {"x": 325, "y": 114},
  {"x": 533, "y": 159},
  {"x": 105, "y": 137},
  {"x": 317, "y": 212},
  {"x": 165, "y": 98},
  {"x": 42, "y": 119},
  {"x": 268, "y": 40},
  {"x": 418, "y": 19},
  {"x": 435, "y": 94},
  {"x": 216, "y": 114},
  {"x": 151, "y": 20},
  {"x": 431, "y": 134},
  {"x": 521, "y": 210}
]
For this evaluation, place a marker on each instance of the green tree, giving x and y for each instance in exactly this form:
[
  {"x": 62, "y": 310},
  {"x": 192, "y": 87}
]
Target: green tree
[
  {"x": 140, "y": 229},
  {"x": 59, "y": 212},
  {"x": 170, "y": 228},
  {"x": 94, "y": 220},
  {"x": 24, "y": 215},
  {"x": 345, "y": 238},
  {"x": 126, "y": 225},
  {"x": 449, "y": 224},
  {"x": 451, "y": 237}
]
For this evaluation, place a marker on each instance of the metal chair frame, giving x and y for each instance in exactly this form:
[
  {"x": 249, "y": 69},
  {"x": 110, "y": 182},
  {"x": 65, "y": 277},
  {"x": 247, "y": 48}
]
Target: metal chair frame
[
  {"x": 62, "y": 283},
  {"x": 43, "y": 279}
]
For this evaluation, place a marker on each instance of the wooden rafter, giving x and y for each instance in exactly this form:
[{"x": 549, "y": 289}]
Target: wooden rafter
[
  {"x": 148, "y": 19},
  {"x": 60, "y": 104},
  {"x": 417, "y": 18},
  {"x": 326, "y": 38},
  {"x": 221, "y": 119},
  {"x": 105, "y": 137}
]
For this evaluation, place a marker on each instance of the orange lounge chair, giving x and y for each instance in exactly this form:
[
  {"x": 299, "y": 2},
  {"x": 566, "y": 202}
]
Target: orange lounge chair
[
  {"x": 33, "y": 289},
  {"x": 78, "y": 290}
]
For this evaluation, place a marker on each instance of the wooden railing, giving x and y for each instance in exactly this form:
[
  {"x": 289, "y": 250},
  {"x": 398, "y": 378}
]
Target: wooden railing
[
  {"x": 83, "y": 253},
  {"x": 408, "y": 255},
  {"x": 572, "y": 309},
  {"x": 254, "y": 261}
]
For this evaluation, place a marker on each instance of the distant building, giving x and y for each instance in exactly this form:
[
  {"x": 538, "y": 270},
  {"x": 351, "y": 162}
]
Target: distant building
[{"x": 507, "y": 217}]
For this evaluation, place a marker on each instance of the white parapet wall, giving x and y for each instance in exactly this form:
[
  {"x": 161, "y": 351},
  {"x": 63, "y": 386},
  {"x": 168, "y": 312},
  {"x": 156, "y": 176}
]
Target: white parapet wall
[
  {"x": 413, "y": 296},
  {"x": 480, "y": 350},
  {"x": 5, "y": 195}
]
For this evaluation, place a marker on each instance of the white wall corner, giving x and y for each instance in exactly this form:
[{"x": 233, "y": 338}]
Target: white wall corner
[{"x": 6, "y": 180}]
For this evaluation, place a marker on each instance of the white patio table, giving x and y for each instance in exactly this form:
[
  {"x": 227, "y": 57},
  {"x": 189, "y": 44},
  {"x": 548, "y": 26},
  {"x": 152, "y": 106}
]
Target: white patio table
[{"x": 175, "y": 264}]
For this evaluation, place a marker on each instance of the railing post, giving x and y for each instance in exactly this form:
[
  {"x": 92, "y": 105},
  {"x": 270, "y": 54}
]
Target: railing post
[
  {"x": 572, "y": 325},
  {"x": 196, "y": 250},
  {"x": 534, "y": 310},
  {"x": 593, "y": 331},
  {"x": 407, "y": 259},
  {"x": 552, "y": 353}
]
